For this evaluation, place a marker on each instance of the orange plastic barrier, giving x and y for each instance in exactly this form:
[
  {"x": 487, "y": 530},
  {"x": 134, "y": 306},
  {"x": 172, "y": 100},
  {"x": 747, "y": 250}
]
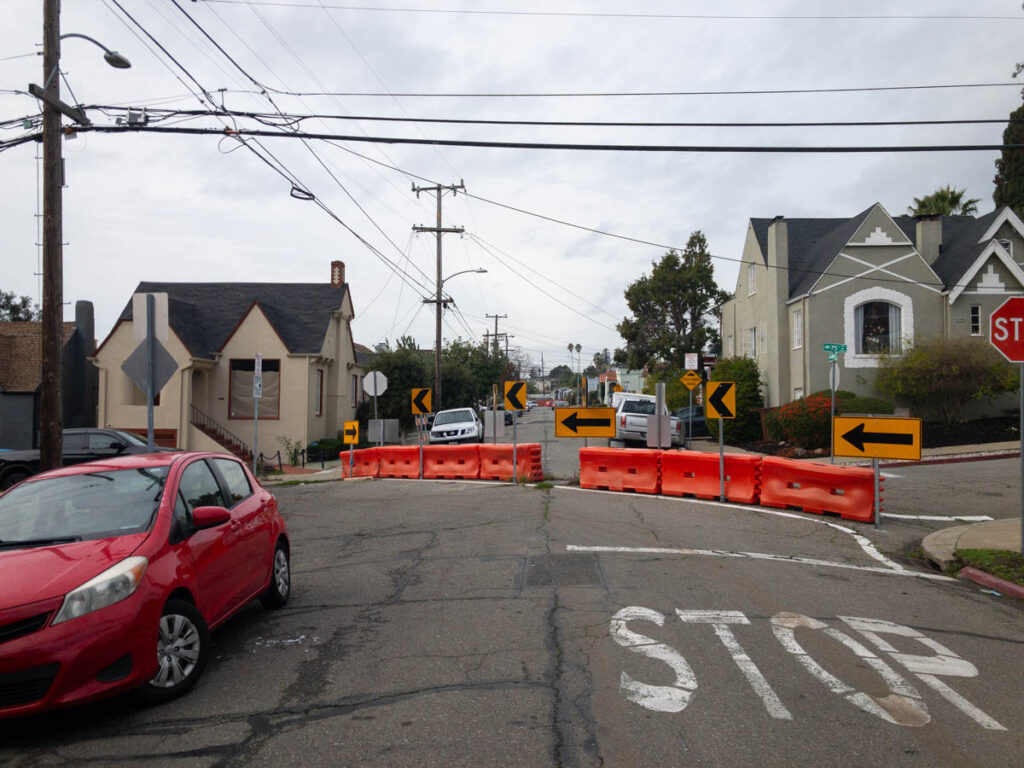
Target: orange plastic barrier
[
  {"x": 399, "y": 461},
  {"x": 451, "y": 462},
  {"x": 365, "y": 463},
  {"x": 846, "y": 491},
  {"x": 620, "y": 469},
  {"x": 496, "y": 462},
  {"x": 695, "y": 473}
]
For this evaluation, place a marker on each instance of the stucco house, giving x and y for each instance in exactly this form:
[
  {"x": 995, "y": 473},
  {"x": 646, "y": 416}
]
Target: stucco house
[
  {"x": 873, "y": 282},
  {"x": 311, "y": 377}
]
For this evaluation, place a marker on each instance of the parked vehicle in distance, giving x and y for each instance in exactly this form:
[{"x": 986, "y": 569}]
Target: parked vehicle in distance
[
  {"x": 692, "y": 418},
  {"x": 457, "y": 425},
  {"x": 121, "y": 569},
  {"x": 81, "y": 444},
  {"x": 501, "y": 409},
  {"x": 631, "y": 415}
]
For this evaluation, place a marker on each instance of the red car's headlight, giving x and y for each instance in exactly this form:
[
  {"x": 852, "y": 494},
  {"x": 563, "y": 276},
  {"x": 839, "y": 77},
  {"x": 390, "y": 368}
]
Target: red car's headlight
[{"x": 112, "y": 586}]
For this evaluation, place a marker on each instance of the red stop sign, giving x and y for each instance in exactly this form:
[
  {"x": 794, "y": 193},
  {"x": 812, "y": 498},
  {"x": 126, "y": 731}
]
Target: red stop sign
[{"x": 1006, "y": 329}]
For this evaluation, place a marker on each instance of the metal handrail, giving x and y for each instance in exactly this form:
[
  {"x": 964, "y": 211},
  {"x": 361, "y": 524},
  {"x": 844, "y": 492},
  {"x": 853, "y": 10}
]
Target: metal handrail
[{"x": 225, "y": 437}]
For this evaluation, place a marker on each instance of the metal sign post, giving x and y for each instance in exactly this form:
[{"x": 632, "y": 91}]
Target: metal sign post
[
  {"x": 515, "y": 446},
  {"x": 257, "y": 394},
  {"x": 833, "y": 351},
  {"x": 150, "y": 364},
  {"x": 721, "y": 459}
]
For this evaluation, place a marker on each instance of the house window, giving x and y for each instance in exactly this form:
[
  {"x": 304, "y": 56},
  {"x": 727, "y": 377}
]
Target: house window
[
  {"x": 798, "y": 393},
  {"x": 798, "y": 329},
  {"x": 751, "y": 279},
  {"x": 241, "y": 404},
  {"x": 319, "y": 392},
  {"x": 1007, "y": 246},
  {"x": 878, "y": 328},
  {"x": 975, "y": 320},
  {"x": 730, "y": 346},
  {"x": 750, "y": 342},
  {"x": 355, "y": 390}
]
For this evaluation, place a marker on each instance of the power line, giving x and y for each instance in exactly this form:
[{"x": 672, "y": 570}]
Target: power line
[
  {"x": 625, "y": 94},
  {"x": 673, "y": 148},
  {"x": 623, "y": 15}
]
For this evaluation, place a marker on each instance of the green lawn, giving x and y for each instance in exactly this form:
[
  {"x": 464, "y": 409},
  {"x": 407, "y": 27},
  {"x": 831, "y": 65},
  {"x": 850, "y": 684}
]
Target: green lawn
[{"x": 999, "y": 562}]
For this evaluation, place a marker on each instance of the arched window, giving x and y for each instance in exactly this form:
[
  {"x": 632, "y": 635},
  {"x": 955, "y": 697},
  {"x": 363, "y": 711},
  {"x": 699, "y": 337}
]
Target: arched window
[{"x": 878, "y": 328}]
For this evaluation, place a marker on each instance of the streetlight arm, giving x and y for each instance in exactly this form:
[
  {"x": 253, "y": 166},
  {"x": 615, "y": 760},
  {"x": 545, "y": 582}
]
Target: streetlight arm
[
  {"x": 113, "y": 58},
  {"x": 480, "y": 270}
]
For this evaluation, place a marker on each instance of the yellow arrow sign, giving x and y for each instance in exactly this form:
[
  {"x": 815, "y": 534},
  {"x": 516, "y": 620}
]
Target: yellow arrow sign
[
  {"x": 616, "y": 387},
  {"x": 720, "y": 400},
  {"x": 421, "y": 401},
  {"x": 584, "y": 422},
  {"x": 515, "y": 395},
  {"x": 691, "y": 379},
  {"x": 878, "y": 437},
  {"x": 350, "y": 435}
]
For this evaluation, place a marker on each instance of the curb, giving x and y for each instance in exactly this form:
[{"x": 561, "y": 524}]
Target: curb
[{"x": 992, "y": 582}]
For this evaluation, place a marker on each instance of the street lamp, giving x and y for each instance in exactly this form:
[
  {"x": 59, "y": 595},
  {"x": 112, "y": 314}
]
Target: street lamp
[
  {"x": 51, "y": 415},
  {"x": 579, "y": 378},
  {"x": 437, "y": 341}
]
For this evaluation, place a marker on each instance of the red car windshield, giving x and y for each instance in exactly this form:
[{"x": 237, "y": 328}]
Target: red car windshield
[{"x": 93, "y": 505}]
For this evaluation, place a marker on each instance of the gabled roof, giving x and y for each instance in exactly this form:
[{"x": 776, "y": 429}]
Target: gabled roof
[
  {"x": 205, "y": 315},
  {"x": 364, "y": 355},
  {"x": 815, "y": 243},
  {"x": 21, "y": 353}
]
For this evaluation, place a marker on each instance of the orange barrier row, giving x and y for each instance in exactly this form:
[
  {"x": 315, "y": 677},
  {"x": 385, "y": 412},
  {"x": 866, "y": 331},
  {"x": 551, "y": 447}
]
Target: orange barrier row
[
  {"x": 365, "y": 463},
  {"x": 496, "y": 462},
  {"x": 846, "y": 491},
  {"x": 620, "y": 469},
  {"x": 451, "y": 462},
  {"x": 695, "y": 473},
  {"x": 399, "y": 461}
]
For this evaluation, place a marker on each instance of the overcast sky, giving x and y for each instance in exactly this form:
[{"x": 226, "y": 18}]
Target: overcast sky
[{"x": 202, "y": 208}]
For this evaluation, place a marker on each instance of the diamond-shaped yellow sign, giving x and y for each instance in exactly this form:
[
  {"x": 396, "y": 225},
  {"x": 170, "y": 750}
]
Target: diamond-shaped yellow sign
[{"x": 691, "y": 379}]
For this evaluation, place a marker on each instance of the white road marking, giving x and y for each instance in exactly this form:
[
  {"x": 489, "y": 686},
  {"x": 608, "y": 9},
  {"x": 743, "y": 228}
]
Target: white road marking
[
  {"x": 756, "y": 556},
  {"x": 944, "y": 662},
  {"x": 963, "y": 518},
  {"x": 903, "y": 705},
  {"x": 865, "y": 544},
  {"x": 659, "y": 698},
  {"x": 720, "y": 621}
]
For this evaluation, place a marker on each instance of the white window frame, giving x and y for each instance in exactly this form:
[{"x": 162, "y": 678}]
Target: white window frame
[
  {"x": 1007, "y": 244},
  {"x": 319, "y": 394},
  {"x": 751, "y": 279},
  {"x": 854, "y": 360},
  {"x": 750, "y": 342},
  {"x": 798, "y": 328},
  {"x": 975, "y": 319},
  {"x": 798, "y": 393}
]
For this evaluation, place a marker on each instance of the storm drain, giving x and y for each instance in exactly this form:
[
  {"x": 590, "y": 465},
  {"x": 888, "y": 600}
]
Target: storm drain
[{"x": 569, "y": 570}]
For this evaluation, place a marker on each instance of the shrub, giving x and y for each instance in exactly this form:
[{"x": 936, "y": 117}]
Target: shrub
[
  {"x": 805, "y": 422},
  {"x": 328, "y": 447},
  {"x": 865, "y": 405},
  {"x": 772, "y": 425},
  {"x": 938, "y": 376},
  {"x": 746, "y": 427}
]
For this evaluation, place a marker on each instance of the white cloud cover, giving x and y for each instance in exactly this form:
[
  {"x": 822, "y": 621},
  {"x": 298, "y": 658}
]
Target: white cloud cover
[{"x": 162, "y": 207}]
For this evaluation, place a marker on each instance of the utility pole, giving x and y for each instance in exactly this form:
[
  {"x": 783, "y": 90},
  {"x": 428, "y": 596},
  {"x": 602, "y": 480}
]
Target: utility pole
[
  {"x": 51, "y": 412},
  {"x": 497, "y": 335},
  {"x": 438, "y": 230}
]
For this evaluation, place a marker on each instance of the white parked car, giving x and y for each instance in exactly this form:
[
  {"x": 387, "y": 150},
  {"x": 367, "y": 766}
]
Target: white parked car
[
  {"x": 631, "y": 415},
  {"x": 458, "y": 425}
]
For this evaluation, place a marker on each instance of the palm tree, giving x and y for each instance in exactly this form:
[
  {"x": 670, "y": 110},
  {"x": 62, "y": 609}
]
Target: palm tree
[{"x": 945, "y": 201}]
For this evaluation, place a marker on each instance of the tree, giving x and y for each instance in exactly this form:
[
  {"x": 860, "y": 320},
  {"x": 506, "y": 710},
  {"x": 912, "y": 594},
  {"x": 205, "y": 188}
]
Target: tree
[
  {"x": 405, "y": 367},
  {"x": 1009, "y": 178},
  {"x": 559, "y": 372},
  {"x": 945, "y": 201},
  {"x": 671, "y": 307},
  {"x": 18, "y": 309},
  {"x": 602, "y": 360},
  {"x": 469, "y": 372},
  {"x": 939, "y": 376}
]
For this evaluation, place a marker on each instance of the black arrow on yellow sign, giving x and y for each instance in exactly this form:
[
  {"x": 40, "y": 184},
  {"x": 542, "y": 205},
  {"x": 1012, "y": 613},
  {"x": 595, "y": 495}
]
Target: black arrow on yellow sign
[
  {"x": 716, "y": 399},
  {"x": 857, "y": 437},
  {"x": 512, "y": 390},
  {"x": 573, "y": 422},
  {"x": 351, "y": 432},
  {"x": 421, "y": 401}
]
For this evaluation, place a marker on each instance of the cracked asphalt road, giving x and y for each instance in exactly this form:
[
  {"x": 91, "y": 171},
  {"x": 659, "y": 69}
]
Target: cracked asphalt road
[{"x": 451, "y": 624}]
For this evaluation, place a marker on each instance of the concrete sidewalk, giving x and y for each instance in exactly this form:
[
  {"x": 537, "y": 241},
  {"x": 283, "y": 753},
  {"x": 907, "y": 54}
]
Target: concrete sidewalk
[{"x": 941, "y": 547}]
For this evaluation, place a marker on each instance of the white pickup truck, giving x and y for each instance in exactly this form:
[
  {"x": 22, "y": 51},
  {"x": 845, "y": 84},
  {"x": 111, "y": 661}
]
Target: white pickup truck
[{"x": 631, "y": 412}]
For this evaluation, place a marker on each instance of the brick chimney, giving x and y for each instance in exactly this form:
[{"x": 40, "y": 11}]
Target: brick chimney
[
  {"x": 338, "y": 274},
  {"x": 928, "y": 237}
]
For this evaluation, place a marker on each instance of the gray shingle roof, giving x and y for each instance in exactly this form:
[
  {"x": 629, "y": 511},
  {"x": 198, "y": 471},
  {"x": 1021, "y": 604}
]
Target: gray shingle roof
[
  {"x": 204, "y": 315},
  {"x": 814, "y": 244}
]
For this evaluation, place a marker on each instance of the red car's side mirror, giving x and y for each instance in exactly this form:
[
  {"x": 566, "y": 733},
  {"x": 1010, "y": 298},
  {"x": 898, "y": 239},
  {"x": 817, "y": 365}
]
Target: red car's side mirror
[{"x": 208, "y": 517}]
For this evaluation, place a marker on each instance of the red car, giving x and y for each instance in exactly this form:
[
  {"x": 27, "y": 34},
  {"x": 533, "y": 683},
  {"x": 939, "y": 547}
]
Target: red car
[{"x": 113, "y": 573}]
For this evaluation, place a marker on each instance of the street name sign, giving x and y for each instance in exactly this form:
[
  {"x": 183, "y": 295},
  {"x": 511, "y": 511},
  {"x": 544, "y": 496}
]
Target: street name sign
[
  {"x": 832, "y": 347},
  {"x": 720, "y": 400},
  {"x": 1006, "y": 329},
  {"x": 421, "y": 401},
  {"x": 691, "y": 379},
  {"x": 877, "y": 437},
  {"x": 584, "y": 422},
  {"x": 515, "y": 395},
  {"x": 350, "y": 435}
]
